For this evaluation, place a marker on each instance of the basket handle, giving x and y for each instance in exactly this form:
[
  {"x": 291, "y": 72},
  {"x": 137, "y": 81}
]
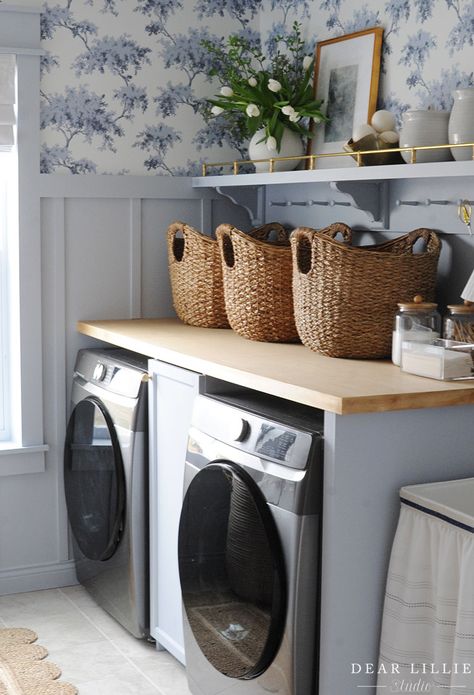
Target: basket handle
[
  {"x": 263, "y": 233},
  {"x": 431, "y": 239},
  {"x": 177, "y": 245},
  {"x": 302, "y": 248},
  {"x": 406, "y": 243},
  {"x": 224, "y": 237},
  {"x": 338, "y": 228}
]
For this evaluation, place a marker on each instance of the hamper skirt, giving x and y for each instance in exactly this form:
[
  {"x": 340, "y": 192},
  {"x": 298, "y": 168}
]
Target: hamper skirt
[{"x": 427, "y": 640}]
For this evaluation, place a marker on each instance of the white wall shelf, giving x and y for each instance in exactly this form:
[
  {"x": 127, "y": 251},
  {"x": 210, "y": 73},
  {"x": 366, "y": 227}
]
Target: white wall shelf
[
  {"x": 350, "y": 173},
  {"x": 377, "y": 195}
]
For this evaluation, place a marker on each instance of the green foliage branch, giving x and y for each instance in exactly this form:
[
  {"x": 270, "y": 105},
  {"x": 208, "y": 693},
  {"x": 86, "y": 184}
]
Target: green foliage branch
[{"x": 259, "y": 93}]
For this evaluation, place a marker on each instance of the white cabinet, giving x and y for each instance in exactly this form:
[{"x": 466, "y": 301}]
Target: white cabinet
[{"x": 171, "y": 395}]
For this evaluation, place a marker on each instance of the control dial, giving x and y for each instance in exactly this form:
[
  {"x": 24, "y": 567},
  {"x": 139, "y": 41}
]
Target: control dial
[
  {"x": 238, "y": 429},
  {"x": 100, "y": 370}
]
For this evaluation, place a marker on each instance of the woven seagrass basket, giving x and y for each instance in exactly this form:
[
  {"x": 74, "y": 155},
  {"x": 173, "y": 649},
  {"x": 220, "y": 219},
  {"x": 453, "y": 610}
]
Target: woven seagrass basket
[
  {"x": 257, "y": 283},
  {"x": 195, "y": 268},
  {"x": 196, "y": 277},
  {"x": 345, "y": 297}
]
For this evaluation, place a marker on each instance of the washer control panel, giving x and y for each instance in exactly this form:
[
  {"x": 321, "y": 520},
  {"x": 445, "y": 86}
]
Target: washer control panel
[
  {"x": 275, "y": 442},
  {"x": 111, "y": 369},
  {"x": 265, "y": 438}
]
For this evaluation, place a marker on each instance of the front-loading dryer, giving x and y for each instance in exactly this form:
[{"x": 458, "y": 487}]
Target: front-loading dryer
[
  {"x": 106, "y": 482},
  {"x": 249, "y": 547}
]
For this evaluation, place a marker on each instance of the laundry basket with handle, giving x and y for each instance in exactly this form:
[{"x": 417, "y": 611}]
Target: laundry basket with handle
[
  {"x": 196, "y": 277},
  {"x": 257, "y": 283},
  {"x": 345, "y": 296},
  {"x": 195, "y": 271}
]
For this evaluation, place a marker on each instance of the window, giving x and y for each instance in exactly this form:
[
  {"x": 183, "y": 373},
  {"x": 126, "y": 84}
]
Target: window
[
  {"x": 8, "y": 276},
  {"x": 8, "y": 241},
  {"x": 22, "y": 447}
]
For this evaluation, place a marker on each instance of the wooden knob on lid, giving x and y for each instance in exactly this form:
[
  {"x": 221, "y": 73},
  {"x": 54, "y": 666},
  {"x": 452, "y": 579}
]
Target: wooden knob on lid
[
  {"x": 466, "y": 308},
  {"x": 417, "y": 305}
]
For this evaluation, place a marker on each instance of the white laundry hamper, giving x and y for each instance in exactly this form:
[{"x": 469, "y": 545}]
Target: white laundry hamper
[{"x": 427, "y": 640}]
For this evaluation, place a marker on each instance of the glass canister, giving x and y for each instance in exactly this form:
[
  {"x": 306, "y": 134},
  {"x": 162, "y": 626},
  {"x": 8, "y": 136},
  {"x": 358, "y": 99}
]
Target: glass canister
[
  {"x": 417, "y": 321},
  {"x": 459, "y": 323},
  {"x": 425, "y": 128},
  {"x": 461, "y": 123}
]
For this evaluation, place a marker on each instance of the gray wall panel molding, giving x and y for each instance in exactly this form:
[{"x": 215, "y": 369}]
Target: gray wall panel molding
[
  {"x": 105, "y": 186},
  {"x": 135, "y": 258},
  {"x": 36, "y": 577},
  {"x": 19, "y": 28}
]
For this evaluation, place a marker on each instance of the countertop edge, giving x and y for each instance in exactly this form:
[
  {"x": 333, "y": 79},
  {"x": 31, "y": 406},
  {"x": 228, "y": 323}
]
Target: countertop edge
[
  {"x": 339, "y": 405},
  {"x": 314, "y": 399}
]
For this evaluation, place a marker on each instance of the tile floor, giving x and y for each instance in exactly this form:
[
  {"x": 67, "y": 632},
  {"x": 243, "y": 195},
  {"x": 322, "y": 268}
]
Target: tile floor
[{"x": 93, "y": 651}]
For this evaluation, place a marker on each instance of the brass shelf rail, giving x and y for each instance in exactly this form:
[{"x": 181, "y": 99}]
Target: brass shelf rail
[{"x": 312, "y": 159}]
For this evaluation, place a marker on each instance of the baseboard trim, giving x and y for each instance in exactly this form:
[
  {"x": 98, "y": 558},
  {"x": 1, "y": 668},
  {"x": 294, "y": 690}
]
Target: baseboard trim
[{"x": 37, "y": 577}]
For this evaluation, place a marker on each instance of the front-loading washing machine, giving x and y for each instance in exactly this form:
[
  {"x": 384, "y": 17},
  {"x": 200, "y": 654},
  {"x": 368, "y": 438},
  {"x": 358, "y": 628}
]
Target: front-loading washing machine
[
  {"x": 249, "y": 546},
  {"x": 106, "y": 482}
]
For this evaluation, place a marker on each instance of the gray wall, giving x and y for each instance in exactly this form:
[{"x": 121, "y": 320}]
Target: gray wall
[{"x": 103, "y": 256}]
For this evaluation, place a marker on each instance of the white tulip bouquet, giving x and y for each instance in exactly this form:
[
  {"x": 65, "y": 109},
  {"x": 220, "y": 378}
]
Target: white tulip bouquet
[{"x": 275, "y": 96}]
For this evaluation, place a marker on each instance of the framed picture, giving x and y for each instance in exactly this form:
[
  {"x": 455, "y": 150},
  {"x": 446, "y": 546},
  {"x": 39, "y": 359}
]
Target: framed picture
[{"x": 346, "y": 79}]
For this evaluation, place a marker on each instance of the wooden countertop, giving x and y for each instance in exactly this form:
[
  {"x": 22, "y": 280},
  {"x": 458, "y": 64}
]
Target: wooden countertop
[{"x": 289, "y": 371}]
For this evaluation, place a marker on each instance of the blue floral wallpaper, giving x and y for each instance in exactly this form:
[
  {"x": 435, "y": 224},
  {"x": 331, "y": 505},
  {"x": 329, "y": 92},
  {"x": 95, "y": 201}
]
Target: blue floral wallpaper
[
  {"x": 124, "y": 81},
  {"x": 427, "y": 48}
]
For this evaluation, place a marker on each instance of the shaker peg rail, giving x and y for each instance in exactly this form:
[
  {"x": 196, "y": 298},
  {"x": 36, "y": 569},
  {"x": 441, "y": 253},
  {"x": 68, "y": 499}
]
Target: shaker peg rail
[
  {"x": 285, "y": 203},
  {"x": 309, "y": 203},
  {"x": 429, "y": 202}
]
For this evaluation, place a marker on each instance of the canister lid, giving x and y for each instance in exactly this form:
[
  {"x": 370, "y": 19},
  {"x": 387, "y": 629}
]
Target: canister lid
[
  {"x": 466, "y": 308},
  {"x": 417, "y": 305}
]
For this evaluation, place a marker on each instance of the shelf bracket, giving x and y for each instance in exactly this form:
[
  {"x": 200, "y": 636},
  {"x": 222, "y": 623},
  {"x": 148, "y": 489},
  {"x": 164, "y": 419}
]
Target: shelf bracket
[
  {"x": 371, "y": 197},
  {"x": 251, "y": 199}
]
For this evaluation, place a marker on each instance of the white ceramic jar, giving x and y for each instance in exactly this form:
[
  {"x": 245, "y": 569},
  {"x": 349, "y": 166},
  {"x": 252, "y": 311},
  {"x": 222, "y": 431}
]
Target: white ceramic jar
[
  {"x": 291, "y": 144},
  {"x": 461, "y": 123},
  {"x": 425, "y": 128}
]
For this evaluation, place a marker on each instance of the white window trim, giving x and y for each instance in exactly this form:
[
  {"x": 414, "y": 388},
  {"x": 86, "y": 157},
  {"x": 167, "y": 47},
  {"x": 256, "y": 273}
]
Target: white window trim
[
  {"x": 8, "y": 289},
  {"x": 20, "y": 35}
]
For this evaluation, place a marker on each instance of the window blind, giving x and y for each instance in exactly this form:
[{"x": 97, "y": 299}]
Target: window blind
[{"x": 7, "y": 102}]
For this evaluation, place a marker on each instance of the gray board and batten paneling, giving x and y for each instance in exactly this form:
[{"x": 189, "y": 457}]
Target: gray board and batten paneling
[{"x": 103, "y": 255}]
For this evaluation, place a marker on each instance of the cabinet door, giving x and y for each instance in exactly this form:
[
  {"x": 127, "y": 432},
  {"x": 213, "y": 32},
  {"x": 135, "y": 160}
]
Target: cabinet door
[{"x": 171, "y": 401}]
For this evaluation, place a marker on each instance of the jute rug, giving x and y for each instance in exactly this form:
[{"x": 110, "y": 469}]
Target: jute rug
[{"x": 22, "y": 669}]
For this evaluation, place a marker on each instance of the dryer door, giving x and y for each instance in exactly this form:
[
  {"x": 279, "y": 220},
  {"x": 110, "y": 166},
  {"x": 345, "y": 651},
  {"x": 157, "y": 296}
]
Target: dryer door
[
  {"x": 231, "y": 571},
  {"x": 94, "y": 480}
]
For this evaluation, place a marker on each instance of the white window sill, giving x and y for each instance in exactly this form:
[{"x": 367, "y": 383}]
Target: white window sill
[{"x": 17, "y": 460}]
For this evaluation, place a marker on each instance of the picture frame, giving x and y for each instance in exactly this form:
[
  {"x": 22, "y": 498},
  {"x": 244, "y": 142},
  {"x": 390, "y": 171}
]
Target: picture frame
[{"x": 346, "y": 79}]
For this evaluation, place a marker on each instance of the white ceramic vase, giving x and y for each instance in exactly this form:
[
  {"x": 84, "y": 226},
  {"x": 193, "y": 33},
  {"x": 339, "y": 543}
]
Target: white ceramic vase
[
  {"x": 290, "y": 145},
  {"x": 425, "y": 128},
  {"x": 461, "y": 123}
]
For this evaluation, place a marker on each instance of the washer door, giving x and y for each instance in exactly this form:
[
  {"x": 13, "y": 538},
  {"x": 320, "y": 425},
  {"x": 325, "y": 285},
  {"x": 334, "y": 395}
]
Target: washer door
[
  {"x": 231, "y": 571},
  {"x": 94, "y": 480}
]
